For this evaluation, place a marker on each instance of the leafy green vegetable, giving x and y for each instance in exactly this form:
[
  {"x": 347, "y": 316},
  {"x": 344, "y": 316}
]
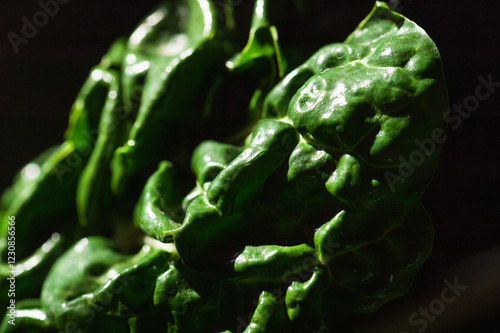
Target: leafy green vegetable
[{"x": 217, "y": 190}]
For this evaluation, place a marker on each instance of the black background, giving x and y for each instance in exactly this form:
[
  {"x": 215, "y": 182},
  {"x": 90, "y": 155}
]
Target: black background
[{"x": 39, "y": 84}]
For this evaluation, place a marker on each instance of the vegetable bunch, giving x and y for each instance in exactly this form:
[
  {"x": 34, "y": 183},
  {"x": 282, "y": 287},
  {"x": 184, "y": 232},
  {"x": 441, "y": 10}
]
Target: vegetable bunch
[{"x": 214, "y": 178}]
